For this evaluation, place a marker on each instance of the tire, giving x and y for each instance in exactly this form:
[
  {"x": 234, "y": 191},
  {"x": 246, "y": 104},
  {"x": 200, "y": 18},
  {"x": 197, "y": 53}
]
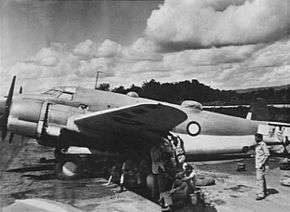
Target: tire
[
  {"x": 284, "y": 166},
  {"x": 68, "y": 168},
  {"x": 245, "y": 149}
]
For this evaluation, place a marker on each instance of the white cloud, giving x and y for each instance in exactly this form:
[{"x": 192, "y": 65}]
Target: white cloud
[
  {"x": 109, "y": 49},
  {"x": 47, "y": 57},
  {"x": 183, "y": 24},
  {"x": 276, "y": 54},
  {"x": 225, "y": 67},
  {"x": 85, "y": 49}
]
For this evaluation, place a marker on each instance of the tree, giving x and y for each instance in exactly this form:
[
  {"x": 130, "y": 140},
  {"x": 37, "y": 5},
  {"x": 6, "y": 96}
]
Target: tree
[
  {"x": 120, "y": 89},
  {"x": 104, "y": 87}
]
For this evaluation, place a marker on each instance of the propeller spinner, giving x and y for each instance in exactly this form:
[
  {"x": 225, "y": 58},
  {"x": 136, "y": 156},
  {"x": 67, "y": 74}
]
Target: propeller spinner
[{"x": 4, "y": 118}]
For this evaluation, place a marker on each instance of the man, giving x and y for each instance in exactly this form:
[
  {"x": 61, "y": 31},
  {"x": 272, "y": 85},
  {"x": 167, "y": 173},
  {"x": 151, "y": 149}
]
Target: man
[
  {"x": 261, "y": 158},
  {"x": 127, "y": 170},
  {"x": 157, "y": 170},
  {"x": 179, "y": 152},
  {"x": 189, "y": 175},
  {"x": 179, "y": 189},
  {"x": 114, "y": 175}
]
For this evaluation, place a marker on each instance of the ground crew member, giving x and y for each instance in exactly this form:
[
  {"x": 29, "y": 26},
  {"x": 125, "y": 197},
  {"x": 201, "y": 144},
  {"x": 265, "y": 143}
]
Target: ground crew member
[
  {"x": 144, "y": 170},
  {"x": 114, "y": 175},
  {"x": 157, "y": 169},
  {"x": 178, "y": 147},
  {"x": 261, "y": 158},
  {"x": 127, "y": 167},
  {"x": 189, "y": 176},
  {"x": 179, "y": 189}
]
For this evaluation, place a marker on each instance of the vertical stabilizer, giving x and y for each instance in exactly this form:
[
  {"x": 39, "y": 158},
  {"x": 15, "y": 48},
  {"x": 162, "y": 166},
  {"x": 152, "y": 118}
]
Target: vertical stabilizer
[{"x": 259, "y": 110}]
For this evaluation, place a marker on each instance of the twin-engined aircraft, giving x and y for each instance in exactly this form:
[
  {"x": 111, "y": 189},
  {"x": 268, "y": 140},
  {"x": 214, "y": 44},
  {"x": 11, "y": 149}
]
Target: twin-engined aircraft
[{"x": 112, "y": 123}]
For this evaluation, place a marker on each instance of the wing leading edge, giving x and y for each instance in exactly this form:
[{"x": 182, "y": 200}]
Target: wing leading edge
[{"x": 132, "y": 120}]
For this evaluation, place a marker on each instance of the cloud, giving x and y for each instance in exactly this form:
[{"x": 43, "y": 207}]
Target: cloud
[
  {"x": 85, "y": 49},
  {"x": 184, "y": 24},
  {"x": 48, "y": 56},
  {"x": 142, "y": 49},
  {"x": 51, "y": 64},
  {"x": 109, "y": 49},
  {"x": 233, "y": 67},
  {"x": 225, "y": 67},
  {"x": 212, "y": 56},
  {"x": 273, "y": 55},
  {"x": 90, "y": 68}
]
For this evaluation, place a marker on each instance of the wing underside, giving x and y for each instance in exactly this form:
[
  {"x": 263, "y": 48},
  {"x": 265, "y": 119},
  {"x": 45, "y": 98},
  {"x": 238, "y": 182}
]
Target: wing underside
[{"x": 131, "y": 120}]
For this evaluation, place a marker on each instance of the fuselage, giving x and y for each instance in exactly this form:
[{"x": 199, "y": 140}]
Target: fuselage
[{"x": 202, "y": 131}]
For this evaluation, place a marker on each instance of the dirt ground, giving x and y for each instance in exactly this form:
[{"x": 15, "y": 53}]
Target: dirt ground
[
  {"x": 236, "y": 191},
  {"x": 23, "y": 177}
]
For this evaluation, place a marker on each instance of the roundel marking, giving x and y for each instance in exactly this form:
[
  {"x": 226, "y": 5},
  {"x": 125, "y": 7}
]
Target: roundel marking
[{"x": 193, "y": 128}]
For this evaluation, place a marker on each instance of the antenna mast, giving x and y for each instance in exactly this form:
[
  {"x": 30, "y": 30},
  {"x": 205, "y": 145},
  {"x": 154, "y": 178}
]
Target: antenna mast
[{"x": 97, "y": 77}]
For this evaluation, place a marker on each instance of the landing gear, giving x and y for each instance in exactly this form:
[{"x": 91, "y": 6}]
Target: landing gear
[
  {"x": 75, "y": 165},
  {"x": 67, "y": 166},
  {"x": 284, "y": 164}
]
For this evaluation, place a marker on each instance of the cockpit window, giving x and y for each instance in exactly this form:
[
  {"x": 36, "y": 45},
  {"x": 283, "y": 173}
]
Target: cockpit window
[
  {"x": 59, "y": 93},
  {"x": 65, "y": 95},
  {"x": 53, "y": 92}
]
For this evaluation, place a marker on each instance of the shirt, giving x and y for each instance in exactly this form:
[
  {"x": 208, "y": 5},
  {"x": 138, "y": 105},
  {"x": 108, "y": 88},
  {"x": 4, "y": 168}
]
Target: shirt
[
  {"x": 156, "y": 157},
  {"x": 261, "y": 154},
  {"x": 179, "y": 151}
]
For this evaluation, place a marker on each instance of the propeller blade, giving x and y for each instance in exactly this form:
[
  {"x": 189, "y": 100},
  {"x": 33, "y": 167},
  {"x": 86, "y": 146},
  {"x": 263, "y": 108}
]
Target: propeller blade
[
  {"x": 4, "y": 118},
  {"x": 10, "y": 94},
  {"x": 3, "y": 122}
]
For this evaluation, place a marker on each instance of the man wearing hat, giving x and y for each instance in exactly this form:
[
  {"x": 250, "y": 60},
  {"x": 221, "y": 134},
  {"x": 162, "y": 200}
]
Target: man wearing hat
[{"x": 261, "y": 158}]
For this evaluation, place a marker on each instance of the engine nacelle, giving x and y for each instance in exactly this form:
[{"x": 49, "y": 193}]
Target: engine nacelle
[
  {"x": 37, "y": 119},
  {"x": 24, "y": 117}
]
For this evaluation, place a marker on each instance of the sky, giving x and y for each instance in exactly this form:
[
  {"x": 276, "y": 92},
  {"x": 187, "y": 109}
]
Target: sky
[{"x": 226, "y": 44}]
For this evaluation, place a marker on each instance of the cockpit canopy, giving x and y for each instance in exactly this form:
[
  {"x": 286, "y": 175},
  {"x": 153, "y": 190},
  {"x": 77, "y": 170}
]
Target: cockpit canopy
[
  {"x": 62, "y": 92},
  {"x": 132, "y": 94}
]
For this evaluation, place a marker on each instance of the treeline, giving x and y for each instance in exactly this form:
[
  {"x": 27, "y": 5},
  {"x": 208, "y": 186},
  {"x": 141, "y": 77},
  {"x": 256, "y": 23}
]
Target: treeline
[{"x": 194, "y": 90}]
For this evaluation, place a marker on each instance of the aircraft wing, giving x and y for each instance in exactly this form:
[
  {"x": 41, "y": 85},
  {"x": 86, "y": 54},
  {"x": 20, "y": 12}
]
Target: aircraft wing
[{"x": 132, "y": 120}]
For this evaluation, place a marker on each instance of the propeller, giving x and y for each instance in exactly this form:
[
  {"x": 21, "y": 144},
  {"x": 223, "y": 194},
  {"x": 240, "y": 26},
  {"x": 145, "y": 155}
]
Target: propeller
[{"x": 4, "y": 118}]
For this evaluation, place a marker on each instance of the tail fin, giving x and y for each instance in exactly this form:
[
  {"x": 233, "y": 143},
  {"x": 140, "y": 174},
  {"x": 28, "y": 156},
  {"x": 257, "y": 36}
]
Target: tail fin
[{"x": 259, "y": 110}]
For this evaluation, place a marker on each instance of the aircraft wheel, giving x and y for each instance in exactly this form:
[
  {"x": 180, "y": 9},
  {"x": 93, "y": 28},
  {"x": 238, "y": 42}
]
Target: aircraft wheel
[
  {"x": 284, "y": 164},
  {"x": 68, "y": 168},
  {"x": 245, "y": 149}
]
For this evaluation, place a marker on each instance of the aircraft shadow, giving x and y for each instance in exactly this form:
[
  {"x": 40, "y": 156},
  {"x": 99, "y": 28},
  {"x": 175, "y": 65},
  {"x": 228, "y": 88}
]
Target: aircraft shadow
[
  {"x": 32, "y": 168},
  {"x": 215, "y": 157},
  {"x": 271, "y": 191},
  {"x": 41, "y": 177}
]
